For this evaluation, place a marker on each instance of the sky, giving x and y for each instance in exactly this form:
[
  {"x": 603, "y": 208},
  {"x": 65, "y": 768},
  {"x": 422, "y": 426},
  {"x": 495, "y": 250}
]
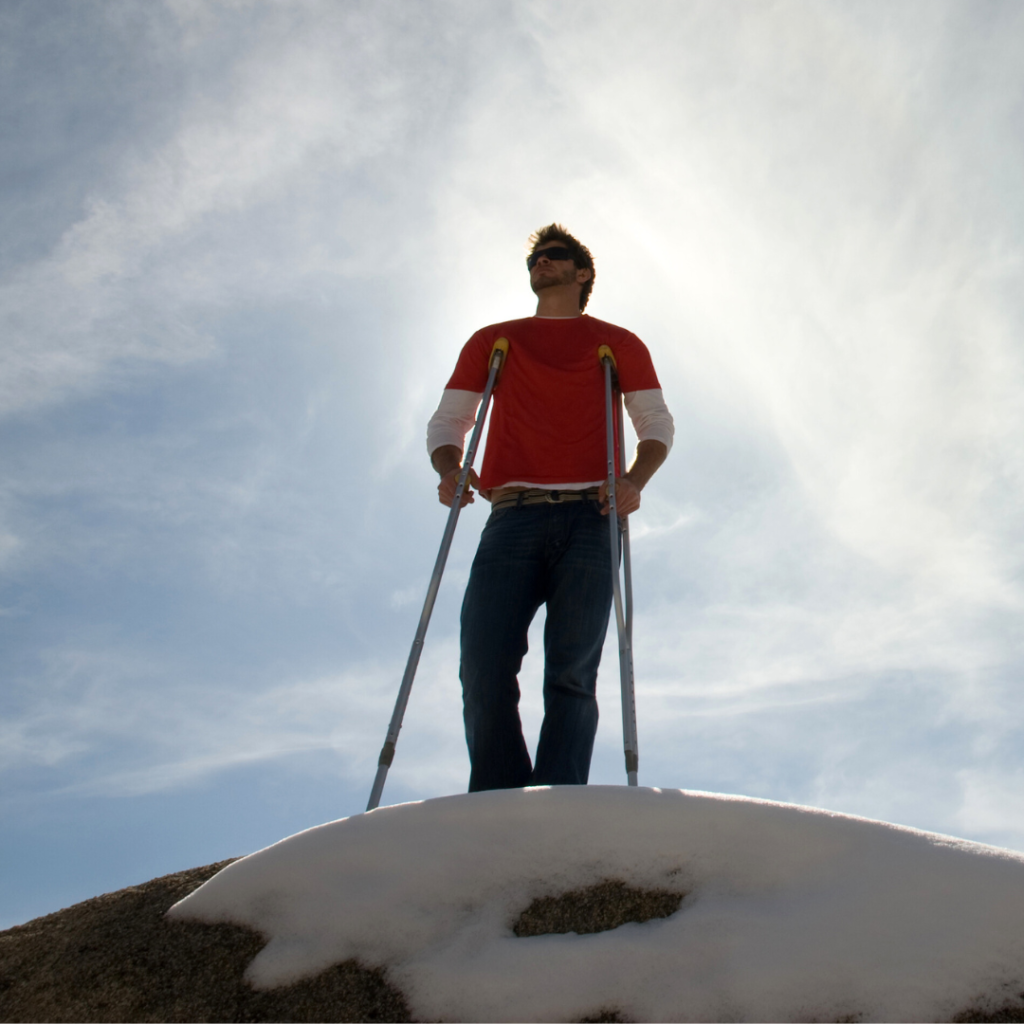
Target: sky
[{"x": 241, "y": 245}]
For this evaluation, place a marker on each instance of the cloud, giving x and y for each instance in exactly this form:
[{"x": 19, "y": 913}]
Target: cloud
[
  {"x": 992, "y": 803},
  {"x": 190, "y": 222},
  {"x": 809, "y": 213},
  {"x": 111, "y": 724}
]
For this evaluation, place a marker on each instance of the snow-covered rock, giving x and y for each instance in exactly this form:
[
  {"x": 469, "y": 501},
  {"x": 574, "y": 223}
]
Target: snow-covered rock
[{"x": 789, "y": 913}]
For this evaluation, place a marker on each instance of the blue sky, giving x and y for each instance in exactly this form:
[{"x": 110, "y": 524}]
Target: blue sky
[{"x": 241, "y": 246}]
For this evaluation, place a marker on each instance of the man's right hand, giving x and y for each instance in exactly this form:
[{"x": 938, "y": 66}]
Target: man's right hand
[{"x": 449, "y": 484}]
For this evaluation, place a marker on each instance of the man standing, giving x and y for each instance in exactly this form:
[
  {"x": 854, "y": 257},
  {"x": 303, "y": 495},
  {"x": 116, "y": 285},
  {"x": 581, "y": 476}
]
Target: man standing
[{"x": 546, "y": 541}]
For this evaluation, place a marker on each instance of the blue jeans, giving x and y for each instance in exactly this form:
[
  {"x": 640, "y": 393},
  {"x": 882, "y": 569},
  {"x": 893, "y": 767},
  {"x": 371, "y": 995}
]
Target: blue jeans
[{"x": 557, "y": 554}]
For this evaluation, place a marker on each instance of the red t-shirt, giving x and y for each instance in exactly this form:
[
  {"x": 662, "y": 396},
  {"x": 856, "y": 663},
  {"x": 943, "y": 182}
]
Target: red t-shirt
[{"x": 548, "y": 420}]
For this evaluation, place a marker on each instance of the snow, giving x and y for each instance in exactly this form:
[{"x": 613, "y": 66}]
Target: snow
[{"x": 790, "y": 913}]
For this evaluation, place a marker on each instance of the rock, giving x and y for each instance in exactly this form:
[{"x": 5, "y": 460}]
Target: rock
[
  {"x": 597, "y": 908},
  {"x": 115, "y": 958}
]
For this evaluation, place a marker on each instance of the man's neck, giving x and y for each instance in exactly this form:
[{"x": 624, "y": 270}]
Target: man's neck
[{"x": 558, "y": 302}]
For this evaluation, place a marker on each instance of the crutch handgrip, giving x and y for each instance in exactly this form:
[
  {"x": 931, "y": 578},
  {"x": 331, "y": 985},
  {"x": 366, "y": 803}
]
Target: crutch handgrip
[{"x": 603, "y": 353}]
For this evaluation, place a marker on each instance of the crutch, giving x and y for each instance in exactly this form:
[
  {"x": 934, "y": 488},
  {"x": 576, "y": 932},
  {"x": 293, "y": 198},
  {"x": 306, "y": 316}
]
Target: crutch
[
  {"x": 387, "y": 753},
  {"x": 623, "y": 609}
]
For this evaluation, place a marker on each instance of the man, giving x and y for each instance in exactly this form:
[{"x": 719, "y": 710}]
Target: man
[{"x": 546, "y": 541}]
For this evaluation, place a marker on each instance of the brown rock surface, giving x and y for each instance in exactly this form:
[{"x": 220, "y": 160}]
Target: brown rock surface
[
  {"x": 597, "y": 908},
  {"x": 115, "y": 958}
]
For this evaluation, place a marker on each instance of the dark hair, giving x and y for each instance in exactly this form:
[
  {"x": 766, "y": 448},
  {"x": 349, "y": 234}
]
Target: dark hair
[{"x": 580, "y": 253}]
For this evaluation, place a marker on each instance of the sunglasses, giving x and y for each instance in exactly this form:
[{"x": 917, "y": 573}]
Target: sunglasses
[{"x": 556, "y": 252}]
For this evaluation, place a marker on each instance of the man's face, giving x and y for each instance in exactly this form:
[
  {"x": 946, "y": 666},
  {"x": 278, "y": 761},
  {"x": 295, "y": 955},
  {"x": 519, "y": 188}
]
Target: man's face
[{"x": 548, "y": 272}]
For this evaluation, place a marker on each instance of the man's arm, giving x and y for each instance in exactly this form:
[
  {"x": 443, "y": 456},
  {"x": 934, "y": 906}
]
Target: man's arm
[
  {"x": 446, "y": 433},
  {"x": 447, "y": 460},
  {"x": 649, "y": 457},
  {"x": 655, "y": 430}
]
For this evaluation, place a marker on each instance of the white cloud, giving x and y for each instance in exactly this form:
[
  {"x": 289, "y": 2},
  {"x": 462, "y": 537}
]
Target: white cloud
[
  {"x": 787, "y": 202},
  {"x": 992, "y": 804},
  {"x": 192, "y": 223},
  {"x": 133, "y": 727}
]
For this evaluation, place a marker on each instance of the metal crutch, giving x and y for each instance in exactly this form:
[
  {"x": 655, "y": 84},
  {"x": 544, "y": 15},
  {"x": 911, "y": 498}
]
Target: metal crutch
[
  {"x": 623, "y": 610},
  {"x": 387, "y": 753}
]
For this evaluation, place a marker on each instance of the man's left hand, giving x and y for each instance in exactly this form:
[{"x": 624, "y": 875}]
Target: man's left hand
[{"x": 627, "y": 497}]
